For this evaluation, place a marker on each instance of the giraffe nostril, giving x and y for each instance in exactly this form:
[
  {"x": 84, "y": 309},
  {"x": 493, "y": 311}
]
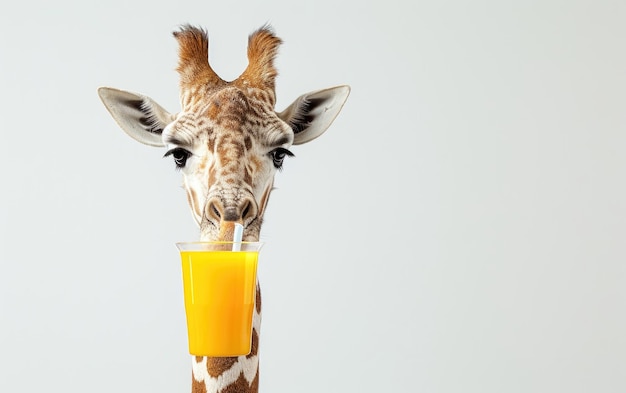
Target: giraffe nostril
[
  {"x": 246, "y": 210},
  {"x": 216, "y": 211}
]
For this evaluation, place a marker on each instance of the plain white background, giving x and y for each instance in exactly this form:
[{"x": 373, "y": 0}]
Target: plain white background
[{"x": 460, "y": 228}]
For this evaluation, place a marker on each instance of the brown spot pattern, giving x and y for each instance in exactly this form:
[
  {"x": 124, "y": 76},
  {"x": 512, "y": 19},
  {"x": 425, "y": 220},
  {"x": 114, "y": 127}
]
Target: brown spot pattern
[
  {"x": 214, "y": 109},
  {"x": 247, "y": 178},
  {"x": 255, "y": 344},
  {"x": 258, "y": 298},
  {"x": 216, "y": 366},
  {"x": 197, "y": 387},
  {"x": 211, "y": 143}
]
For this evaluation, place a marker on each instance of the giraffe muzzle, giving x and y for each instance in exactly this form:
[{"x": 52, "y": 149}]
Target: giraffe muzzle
[{"x": 243, "y": 212}]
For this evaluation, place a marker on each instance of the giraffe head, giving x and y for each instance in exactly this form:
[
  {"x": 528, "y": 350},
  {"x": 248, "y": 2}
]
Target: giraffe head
[{"x": 227, "y": 139}]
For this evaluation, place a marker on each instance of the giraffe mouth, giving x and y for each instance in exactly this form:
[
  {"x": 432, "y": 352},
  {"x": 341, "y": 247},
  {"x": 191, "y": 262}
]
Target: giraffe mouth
[
  {"x": 227, "y": 231},
  {"x": 223, "y": 231}
]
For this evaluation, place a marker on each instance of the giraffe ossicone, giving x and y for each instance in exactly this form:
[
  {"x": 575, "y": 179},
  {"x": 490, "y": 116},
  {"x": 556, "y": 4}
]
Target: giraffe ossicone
[{"x": 228, "y": 141}]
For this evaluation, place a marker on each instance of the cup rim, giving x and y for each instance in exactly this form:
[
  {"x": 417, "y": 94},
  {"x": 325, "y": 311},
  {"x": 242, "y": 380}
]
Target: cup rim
[{"x": 203, "y": 245}]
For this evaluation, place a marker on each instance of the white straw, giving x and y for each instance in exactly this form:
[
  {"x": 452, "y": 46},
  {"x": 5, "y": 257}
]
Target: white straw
[{"x": 237, "y": 236}]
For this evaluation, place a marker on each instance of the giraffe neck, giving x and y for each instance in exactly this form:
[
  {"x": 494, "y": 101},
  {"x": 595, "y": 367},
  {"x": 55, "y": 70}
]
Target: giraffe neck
[{"x": 230, "y": 374}]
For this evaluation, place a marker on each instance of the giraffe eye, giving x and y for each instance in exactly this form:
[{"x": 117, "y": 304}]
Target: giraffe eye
[
  {"x": 278, "y": 155},
  {"x": 180, "y": 156}
]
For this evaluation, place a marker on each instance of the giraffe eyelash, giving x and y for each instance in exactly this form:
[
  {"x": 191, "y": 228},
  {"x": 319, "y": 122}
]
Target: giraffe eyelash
[
  {"x": 180, "y": 156},
  {"x": 278, "y": 155}
]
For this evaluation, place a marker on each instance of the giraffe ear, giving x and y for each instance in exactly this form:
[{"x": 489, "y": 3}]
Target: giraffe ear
[
  {"x": 311, "y": 114},
  {"x": 138, "y": 115}
]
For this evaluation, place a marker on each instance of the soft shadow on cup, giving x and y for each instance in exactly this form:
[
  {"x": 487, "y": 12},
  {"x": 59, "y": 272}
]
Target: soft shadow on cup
[{"x": 220, "y": 290}]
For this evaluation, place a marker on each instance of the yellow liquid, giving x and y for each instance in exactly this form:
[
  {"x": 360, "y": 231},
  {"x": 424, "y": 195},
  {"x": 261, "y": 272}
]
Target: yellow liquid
[{"x": 219, "y": 289}]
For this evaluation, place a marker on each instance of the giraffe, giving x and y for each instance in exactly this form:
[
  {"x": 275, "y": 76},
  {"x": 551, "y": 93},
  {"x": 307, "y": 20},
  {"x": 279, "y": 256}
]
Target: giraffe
[{"x": 228, "y": 141}]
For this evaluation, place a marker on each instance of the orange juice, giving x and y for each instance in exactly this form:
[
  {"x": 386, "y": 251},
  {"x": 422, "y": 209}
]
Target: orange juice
[{"x": 219, "y": 289}]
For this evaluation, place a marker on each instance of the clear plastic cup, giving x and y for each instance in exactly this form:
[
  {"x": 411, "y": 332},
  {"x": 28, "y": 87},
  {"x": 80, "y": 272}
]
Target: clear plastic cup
[{"x": 220, "y": 290}]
